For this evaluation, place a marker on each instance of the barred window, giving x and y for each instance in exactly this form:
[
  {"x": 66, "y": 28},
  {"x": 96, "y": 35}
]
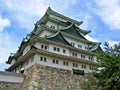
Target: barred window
[{"x": 65, "y": 63}]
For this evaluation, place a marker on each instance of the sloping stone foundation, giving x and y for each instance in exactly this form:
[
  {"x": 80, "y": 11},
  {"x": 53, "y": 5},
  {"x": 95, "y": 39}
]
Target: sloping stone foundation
[
  {"x": 47, "y": 78},
  {"x": 40, "y": 77},
  {"x": 10, "y": 86}
]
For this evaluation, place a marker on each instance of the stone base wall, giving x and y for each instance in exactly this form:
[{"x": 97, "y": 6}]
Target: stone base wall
[
  {"x": 10, "y": 86},
  {"x": 40, "y": 77}
]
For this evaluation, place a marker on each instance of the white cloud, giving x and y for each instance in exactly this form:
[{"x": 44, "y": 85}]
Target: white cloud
[
  {"x": 4, "y": 22},
  {"x": 90, "y": 38},
  {"x": 4, "y": 39},
  {"x": 26, "y": 12},
  {"x": 86, "y": 18},
  {"x": 112, "y": 43},
  {"x": 7, "y": 45},
  {"x": 109, "y": 11},
  {"x": 3, "y": 66}
]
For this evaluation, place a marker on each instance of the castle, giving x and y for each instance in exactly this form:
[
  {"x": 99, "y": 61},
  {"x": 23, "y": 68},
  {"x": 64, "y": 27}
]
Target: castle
[{"x": 56, "y": 43}]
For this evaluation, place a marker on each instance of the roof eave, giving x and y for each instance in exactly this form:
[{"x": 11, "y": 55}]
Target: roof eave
[{"x": 50, "y": 11}]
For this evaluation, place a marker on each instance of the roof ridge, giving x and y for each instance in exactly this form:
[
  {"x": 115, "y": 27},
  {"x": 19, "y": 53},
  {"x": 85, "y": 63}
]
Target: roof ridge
[
  {"x": 58, "y": 33},
  {"x": 49, "y": 10},
  {"x": 95, "y": 47},
  {"x": 73, "y": 25}
]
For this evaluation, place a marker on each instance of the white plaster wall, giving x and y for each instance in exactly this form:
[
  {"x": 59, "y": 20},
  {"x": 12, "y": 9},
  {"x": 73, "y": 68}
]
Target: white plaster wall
[
  {"x": 51, "y": 46},
  {"x": 58, "y": 18},
  {"x": 61, "y": 50},
  {"x": 28, "y": 63},
  {"x": 95, "y": 58},
  {"x": 78, "y": 54},
  {"x": 67, "y": 53},
  {"x": 26, "y": 50},
  {"x": 60, "y": 27},
  {"x": 49, "y": 62},
  {"x": 54, "y": 24},
  {"x": 45, "y": 33},
  {"x": 13, "y": 61},
  {"x": 11, "y": 78},
  {"x": 51, "y": 23},
  {"x": 38, "y": 45},
  {"x": 76, "y": 43},
  {"x": 37, "y": 60}
]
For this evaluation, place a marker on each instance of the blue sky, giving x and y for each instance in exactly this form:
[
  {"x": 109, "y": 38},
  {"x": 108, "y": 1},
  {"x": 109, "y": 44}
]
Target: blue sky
[{"x": 17, "y": 18}]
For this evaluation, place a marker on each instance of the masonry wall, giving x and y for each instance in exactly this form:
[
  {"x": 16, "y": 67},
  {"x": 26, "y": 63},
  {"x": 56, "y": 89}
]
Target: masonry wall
[
  {"x": 39, "y": 77},
  {"x": 10, "y": 86},
  {"x": 11, "y": 81},
  {"x": 46, "y": 78},
  {"x": 11, "y": 77}
]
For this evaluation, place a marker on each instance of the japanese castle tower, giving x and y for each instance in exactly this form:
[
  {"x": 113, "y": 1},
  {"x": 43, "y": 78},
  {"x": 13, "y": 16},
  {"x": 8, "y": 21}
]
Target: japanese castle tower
[{"x": 56, "y": 41}]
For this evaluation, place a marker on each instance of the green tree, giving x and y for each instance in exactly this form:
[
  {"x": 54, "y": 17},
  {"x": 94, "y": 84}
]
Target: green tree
[
  {"x": 109, "y": 74},
  {"x": 89, "y": 84}
]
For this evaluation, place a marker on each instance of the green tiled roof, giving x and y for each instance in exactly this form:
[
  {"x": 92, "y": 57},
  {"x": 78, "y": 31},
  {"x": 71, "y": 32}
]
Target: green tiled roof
[
  {"x": 72, "y": 31},
  {"x": 85, "y": 32},
  {"x": 58, "y": 38},
  {"x": 50, "y": 11},
  {"x": 12, "y": 54},
  {"x": 95, "y": 47},
  {"x": 10, "y": 58}
]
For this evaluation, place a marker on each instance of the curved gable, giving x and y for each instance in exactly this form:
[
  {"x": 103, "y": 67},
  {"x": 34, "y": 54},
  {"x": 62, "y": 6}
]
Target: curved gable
[
  {"x": 72, "y": 31},
  {"x": 58, "y": 37}
]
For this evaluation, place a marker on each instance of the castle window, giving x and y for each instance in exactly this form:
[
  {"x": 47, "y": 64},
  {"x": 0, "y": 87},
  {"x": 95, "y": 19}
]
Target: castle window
[
  {"x": 84, "y": 66},
  {"x": 41, "y": 46},
  {"x": 82, "y": 56},
  {"x": 55, "y": 61},
  {"x": 65, "y": 63},
  {"x": 80, "y": 46},
  {"x": 75, "y": 65},
  {"x": 78, "y": 72},
  {"x": 64, "y": 51},
  {"x": 86, "y": 48},
  {"x": 44, "y": 47},
  {"x": 74, "y": 54},
  {"x": 56, "y": 49},
  {"x": 90, "y": 58},
  {"x": 53, "y": 27},
  {"x": 43, "y": 59}
]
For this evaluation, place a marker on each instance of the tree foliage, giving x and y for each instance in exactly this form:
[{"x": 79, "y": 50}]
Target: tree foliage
[
  {"x": 109, "y": 75},
  {"x": 89, "y": 84}
]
